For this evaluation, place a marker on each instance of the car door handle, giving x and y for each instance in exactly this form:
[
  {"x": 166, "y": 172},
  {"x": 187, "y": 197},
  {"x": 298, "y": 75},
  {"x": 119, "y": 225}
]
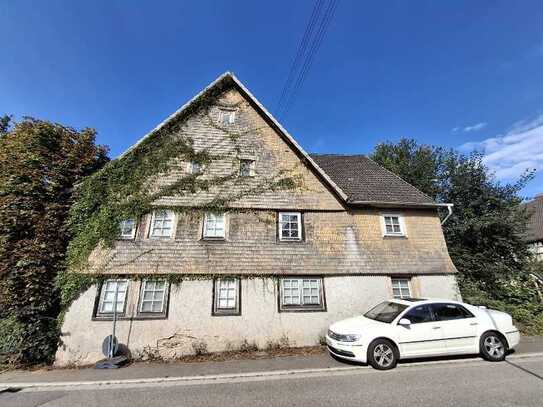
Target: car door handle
[
  {"x": 436, "y": 327},
  {"x": 474, "y": 323}
]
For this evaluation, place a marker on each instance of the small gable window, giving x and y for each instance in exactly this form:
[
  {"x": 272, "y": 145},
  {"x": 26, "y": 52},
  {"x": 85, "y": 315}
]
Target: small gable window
[
  {"x": 290, "y": 226},
  {"x": 393, "y": 225},
  {"x": 162, "y": 224},
  {"x": 214, "y": 225},
  {"x": 195, "y": 167},
  {"x": 128, "y": 229},
  {"x": 227, "y": 117},
  {"x": 246, "y": 168}
]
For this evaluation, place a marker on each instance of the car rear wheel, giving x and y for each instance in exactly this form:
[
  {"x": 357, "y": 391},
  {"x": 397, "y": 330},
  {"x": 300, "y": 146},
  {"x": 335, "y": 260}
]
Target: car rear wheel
[
  {"x": 493, "y": 347},
  {"x": 382, "y": 355}
]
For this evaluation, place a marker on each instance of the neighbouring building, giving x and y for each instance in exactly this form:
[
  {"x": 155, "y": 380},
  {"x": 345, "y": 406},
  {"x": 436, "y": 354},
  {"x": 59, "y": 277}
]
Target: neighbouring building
[
  {"x": 278, "y": 266},
  {"x": 534, "y": 235}
]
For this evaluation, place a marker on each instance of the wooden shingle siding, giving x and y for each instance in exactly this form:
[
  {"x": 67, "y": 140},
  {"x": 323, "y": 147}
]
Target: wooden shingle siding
[{"x": 335, "y": 243}]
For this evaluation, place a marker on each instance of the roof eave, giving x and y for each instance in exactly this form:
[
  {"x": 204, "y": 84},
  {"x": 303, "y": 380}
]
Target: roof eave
[{"x": 413, "y": 205}]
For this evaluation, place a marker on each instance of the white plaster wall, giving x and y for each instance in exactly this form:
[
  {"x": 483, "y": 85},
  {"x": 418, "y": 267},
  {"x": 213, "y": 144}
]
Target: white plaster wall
[{"x": 190, "y": 321}]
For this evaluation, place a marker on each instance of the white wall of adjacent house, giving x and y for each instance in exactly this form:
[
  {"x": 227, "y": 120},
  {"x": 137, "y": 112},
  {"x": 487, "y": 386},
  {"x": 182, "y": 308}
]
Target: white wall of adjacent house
[{"x": 190, "y": 324}]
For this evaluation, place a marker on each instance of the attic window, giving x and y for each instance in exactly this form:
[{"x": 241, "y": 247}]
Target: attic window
[
  {"x": 227, "y": 117},
  {"x": 246, "y": 168},
  {"x": 393, "y": 225}
]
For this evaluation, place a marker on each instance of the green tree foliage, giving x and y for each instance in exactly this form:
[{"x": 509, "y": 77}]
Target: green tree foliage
[
  {"x": 485, "y": 233},
  {"x": 39, "y": 164}
]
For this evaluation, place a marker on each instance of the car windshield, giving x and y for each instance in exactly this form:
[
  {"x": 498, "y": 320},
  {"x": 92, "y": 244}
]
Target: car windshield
[{"x": 386, "y": 311}]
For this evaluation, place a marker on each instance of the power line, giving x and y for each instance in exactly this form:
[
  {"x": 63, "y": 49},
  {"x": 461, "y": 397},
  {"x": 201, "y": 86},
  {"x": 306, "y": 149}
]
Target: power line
[
  {"x": 299, "y": 54},
  {"x": 315, "y": 44}
]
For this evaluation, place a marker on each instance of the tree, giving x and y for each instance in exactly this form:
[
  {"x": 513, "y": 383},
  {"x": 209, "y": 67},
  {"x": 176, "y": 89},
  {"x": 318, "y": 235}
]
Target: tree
[
  {"x": 485, "y": 233},
  {"x": 40, "y": 162}
]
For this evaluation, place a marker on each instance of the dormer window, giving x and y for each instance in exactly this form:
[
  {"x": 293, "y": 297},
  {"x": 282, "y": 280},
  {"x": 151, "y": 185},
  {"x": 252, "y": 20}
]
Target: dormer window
[
  {"x": 227, "y": 117},
  {"x": 246, "y": 168}
]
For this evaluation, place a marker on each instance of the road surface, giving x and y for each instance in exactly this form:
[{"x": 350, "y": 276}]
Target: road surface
[{"x": 518, "y": 382}]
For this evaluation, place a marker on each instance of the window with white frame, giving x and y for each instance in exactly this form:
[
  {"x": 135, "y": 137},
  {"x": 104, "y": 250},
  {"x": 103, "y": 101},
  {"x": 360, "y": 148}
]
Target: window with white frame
[
  {"x": 227, "y": 117},
  {"x": 290, "y": 226},
  {"x": 214, "y": 225},
  {"x": 153, "y": 297},
  {"x": 246, "y": 168},
  {"x": 226, "y": 296},
  {"x": 128, "y": 229},
  {"x": 393, "y": 225},
  {"x": 112, "y": 293},
  {"x": 400, "y": 288},
  {"x": 162, "y": 224},
  {"x": 301, "y": 293}
]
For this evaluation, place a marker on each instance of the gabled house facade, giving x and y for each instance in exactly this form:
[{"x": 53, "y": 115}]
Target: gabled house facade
[{"x": 277, "y": 266}]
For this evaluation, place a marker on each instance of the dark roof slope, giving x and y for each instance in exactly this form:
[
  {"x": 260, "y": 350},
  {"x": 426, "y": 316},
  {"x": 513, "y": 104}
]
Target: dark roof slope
[
  {"x": 535, "y": 225},
  {"x": 363, "y": 180}
]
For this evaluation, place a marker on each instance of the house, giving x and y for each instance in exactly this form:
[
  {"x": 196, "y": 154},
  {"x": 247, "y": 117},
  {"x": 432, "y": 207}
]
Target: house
[
  {"x": 534, "y": 235},
  {"x": 278, "y": 265}
]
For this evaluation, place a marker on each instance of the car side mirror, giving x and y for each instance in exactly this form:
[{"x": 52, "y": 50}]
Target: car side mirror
[{"x": 404, "y": 322}]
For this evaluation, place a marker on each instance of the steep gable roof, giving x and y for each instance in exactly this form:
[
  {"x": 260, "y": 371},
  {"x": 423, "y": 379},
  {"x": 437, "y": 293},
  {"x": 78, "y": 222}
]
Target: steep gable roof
[
  {"x": 535, "y": 224},
  {"x": 354, "y": 179},
  {"x": 365, "y": 181}
]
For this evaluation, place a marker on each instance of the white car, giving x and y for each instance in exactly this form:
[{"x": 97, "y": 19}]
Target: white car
[{"x": 414, "y": 328}]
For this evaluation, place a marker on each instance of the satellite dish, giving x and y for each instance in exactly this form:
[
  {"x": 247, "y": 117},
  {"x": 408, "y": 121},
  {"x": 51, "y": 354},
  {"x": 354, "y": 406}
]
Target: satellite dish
[{"x": 110, "y": 342}]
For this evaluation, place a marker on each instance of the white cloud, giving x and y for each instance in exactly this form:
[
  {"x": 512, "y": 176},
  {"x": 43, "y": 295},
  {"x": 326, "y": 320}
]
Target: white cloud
[
  {"x": 511, "y": 154},
  {"x": 468, "y": 129}
]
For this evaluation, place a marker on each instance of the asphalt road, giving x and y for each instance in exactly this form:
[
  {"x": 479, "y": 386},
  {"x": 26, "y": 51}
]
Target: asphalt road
[{"x": 460, "y": 383}]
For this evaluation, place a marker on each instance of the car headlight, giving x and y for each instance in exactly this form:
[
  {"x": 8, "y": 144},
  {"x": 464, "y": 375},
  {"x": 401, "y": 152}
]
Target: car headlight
[
  {"x": 343, "y": 337},
  {"x": 351, "y": 338}
]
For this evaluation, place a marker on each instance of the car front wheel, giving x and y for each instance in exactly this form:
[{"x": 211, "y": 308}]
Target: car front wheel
[
  {"x": 382, "y": 355},
  {"x": 493, "y": 347}
]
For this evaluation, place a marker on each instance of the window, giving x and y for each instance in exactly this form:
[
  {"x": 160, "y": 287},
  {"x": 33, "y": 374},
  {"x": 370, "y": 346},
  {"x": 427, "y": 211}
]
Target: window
[
  {"x": 153, "y": 297},
  {"x": 400, "y": 288},
  {"x": 195, "y": 167},
  {"x": 227, "y": 117},
  {"x": 107, "y": 297},
  {"x": 128, "y": 229},
  {"x": 214, "y": 225},
  {"x": 162, "y": 224},
  {"x": 290, "y": 226},
  {"x": 393, "y": 225},
  {"x": 301, "y": 293},
  {"x": 246, "y": 168},
  {"x": 419, "y": 314},
  {"x": 448, "y": 312},
  {"x": 226, "y": 296}
]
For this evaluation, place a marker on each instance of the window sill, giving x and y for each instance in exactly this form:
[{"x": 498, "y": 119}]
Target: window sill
[
  {"x": 295, "y": 241},
  {"x": 303, "y": 309},
  {"x": 139, "y": 317},
  {"x": 399, "y": 235},
  {"x": 213, "y": 239},
  {"x": 219, "y": 313}
]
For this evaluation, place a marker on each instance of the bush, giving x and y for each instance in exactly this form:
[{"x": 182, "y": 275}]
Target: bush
[{"x": 11, "y": 339}]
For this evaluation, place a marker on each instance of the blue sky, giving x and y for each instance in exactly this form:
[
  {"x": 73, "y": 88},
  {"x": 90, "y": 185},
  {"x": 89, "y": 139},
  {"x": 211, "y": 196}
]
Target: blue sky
[{"x": 461, "y": 74}]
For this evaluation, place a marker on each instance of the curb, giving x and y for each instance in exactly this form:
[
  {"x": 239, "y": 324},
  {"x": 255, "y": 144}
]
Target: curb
[{"x": 4, "y": 387}]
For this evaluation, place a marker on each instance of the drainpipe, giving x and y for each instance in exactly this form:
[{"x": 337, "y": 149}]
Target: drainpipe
[{"x": 449, "y": 208}]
